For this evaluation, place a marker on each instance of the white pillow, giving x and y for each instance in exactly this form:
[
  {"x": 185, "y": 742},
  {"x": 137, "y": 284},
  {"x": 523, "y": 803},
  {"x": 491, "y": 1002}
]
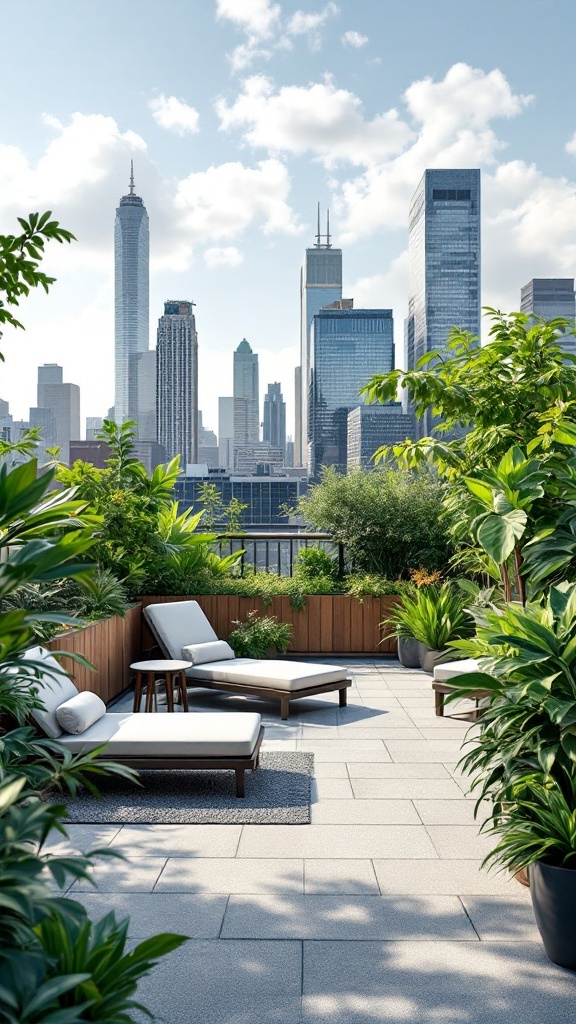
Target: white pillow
[
  {"x": 215, "y": 650},
  {"x": 80, "y": 712}
]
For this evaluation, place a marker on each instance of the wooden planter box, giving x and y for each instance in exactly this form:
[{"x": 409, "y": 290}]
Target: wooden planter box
[
  {"x": 110, "y": 645},
  {"x": 331, "y": 624}
]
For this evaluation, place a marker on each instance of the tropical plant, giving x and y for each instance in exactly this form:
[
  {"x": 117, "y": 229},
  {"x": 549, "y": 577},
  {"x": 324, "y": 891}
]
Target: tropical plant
[
  {"x": 314, "y": 563},
  {"x": 433, "y": 615},
  {"x": 387, "y": 520},
  {"x": 256, "y": 635}
]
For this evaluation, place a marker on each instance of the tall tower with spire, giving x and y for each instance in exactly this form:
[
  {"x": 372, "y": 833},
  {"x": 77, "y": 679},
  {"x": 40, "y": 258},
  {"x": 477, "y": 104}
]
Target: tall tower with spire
[
  {"x": 320, "y": 285},
  {"x": 131, "y": 299}
]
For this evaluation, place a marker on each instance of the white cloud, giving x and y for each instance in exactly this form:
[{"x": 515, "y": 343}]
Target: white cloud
[
  {"x": 318, "y": 118},
  {"x": 174, "y": 114},
  {"x": 229, "y": 256},
  {"x": 265, "y": 30},
  {"x": 571, "y": 145},
  {"x": 308, "y": 24},
  {"x": 223, "y": 201},
  {"x": 257, "y": 18},
  {"x": 354, "y": 39}
]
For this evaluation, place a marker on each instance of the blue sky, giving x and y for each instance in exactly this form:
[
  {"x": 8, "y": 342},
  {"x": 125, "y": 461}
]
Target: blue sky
[{"x": 240, "y": 115}]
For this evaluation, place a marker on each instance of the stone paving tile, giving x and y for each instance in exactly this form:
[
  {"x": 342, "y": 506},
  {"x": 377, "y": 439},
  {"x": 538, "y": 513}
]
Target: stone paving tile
[
  {"x": 278, "y": 745},
  {"x": 331, "y": 789},
  {"x": 367, "y": 716},
  {"x": 349, "y": 751},
  {"x": 214, "y": 982},
  {"x": 337, "y": 841},
  {"x": 433, "y": 982},
  {"x": 420, "y": 790},
  {"x": 178, "y": 840},
  {"x": 365, "y": 812},
  {"x": 81, "y": 838},
  {"x": 330, "y": 770},
  {"x": 460, "y": 842},
  {"x": 340, "y": 876},
  {"x": 382, "y": 732},
  {"x": 320, "y": 732},
  {"x": 456, "y": 877},
  {"x": 423, "y": 750},
  {"x": 231, "y": 875},
  {"x": 139, "y": 874},
  {"x": 198, "y": 916},
  {"x": 346, "y": 917},
  {"x": 376, "y": 770},
  {"x": 503, "y": 918},
  {"x": 450, "y": 812}
]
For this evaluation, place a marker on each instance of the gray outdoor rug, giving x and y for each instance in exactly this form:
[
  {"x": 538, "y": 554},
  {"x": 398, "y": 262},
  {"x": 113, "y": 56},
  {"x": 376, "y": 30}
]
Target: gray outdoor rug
[{"x": 277, "y": 793}]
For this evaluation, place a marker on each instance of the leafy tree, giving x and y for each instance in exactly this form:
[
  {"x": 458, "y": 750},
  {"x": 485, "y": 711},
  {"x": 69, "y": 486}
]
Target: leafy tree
[
  {"x": 389, "y": 521},
  {"x": 20, "y": 258}
]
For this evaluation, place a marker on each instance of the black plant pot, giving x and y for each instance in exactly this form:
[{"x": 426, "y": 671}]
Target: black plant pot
[
  {"x": 408, "y": 652},
  {"x": 553, "y": 892}
]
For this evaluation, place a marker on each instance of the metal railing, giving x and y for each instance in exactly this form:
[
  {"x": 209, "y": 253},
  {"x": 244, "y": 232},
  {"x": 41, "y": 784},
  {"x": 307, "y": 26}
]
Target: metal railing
[{"x": 276, "y": 552}]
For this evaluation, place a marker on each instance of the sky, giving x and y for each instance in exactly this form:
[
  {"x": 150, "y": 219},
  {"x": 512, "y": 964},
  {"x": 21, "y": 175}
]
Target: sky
[{"x": 242, "y": 115}]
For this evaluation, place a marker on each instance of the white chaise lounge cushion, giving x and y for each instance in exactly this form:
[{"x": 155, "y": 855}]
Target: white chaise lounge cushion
[
  {"x": 274, "y": 675},
  {"x": 80, "y": 712},
  {"x": 55, "y": 688},
  {"x": 214, "y": 650},
  {"x": 450, "y": 669},
  {"x": 224, "y": 734},
  {"x": 178, "y": 623}
]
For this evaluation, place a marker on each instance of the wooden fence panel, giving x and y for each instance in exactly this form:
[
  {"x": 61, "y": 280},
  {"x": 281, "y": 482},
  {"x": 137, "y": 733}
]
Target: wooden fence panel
[{"x": 110, "y": 645}]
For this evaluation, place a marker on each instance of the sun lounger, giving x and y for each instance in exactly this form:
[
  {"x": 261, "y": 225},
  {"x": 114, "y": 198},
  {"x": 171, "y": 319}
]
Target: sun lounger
[
  {"x": 153, "y": 741},
  {"x": 442, "y": 686},
  {"x": 183, "y": 631}
]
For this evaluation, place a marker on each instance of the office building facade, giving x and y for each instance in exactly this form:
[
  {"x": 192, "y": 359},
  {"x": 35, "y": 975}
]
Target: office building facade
[
  {"x": 551, "y": 298},
  {"x": 177, "y": 382},
  {"x": 57, "y": 413},
  {"x": 265, "y": 496},
  {"x": 347, "y": 348},
  {"x": 246, "y": 396},
  {"x": 443, "y": 264},
  {"x": 274, "y": 425},
  {"x": 145, "y": 366},
  {"x": 131, "y": 300},
  {"x": 320, "y": 285},
  {"x": 370, "y": 427},
  {"x": 226, "y": 432}
]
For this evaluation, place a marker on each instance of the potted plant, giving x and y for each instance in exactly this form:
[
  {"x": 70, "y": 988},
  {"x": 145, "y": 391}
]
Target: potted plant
[
  {"x": 260, "y": 636},
  {"x": 433, "y": 617}
]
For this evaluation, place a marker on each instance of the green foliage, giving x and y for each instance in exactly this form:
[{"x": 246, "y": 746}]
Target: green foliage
[
  {"x": 389, "y": 521},
  {"x": 20, "y": 258},
  {"x": 315, "y": 566},
  {"x": 433, "y": 615},
  {"x": 254, "y": 637},
  {"x": 218, "y": 515}
]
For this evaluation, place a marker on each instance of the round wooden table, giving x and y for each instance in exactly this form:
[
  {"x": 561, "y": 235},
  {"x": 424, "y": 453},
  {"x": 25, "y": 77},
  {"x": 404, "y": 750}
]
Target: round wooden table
[{"x": 173, "y": 674}]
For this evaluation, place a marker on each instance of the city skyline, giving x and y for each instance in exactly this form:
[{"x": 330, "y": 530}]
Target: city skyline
[{"x": 280, "y": 108}]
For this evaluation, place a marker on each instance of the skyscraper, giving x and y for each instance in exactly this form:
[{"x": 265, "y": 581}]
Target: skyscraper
[
  {"x": 246, "y": 395},
  {"x": 320, "y": 285},
  {"x": 177, "y": 382},
  {"x": 443, "y": 264},
  {"x": 347, "y": 347},
  {"x": 58, "y": 410},
  {"x": 131, "y": 299},
  {"x": 226, "y": 432},
  {"x": 145, "y": 369},
  {"x": 274, "y": 429},
  {"x": 549, "y": 298}
]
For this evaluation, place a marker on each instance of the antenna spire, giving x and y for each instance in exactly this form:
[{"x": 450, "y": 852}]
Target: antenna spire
[
  {"x": 328, "y": 245},
  {"x": 318, "y": 230},
  {"x": 131, "y": 178}
]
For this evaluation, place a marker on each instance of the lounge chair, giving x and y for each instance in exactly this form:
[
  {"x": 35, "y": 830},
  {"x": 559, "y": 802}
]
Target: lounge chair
[
  {"x": 442, "y": 686},
  {"x": 182, "y": 630},
  {"x": 153, "y": 741}
]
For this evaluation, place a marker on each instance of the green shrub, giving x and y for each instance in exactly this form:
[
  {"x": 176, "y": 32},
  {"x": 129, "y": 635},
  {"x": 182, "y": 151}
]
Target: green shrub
[
  {"x": 433, "y": 615},
  {"x": 254, "y": 637},
  {"x": 388, "y": 520}
]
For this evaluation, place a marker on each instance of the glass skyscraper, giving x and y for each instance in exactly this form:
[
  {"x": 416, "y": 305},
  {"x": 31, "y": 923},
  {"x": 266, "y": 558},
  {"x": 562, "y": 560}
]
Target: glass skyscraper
[
  {"x": 177, "y": 382},
  {"x": 443, "y": 264},
  {"x": 550, "y": 298},
  {"x": 320, "y": 285},
  {"x": 246, "y": 395},
  {"x": 131, "y": 300},
  {"x": 347, "y": 347},
  {"x": 274, "y": 423}
]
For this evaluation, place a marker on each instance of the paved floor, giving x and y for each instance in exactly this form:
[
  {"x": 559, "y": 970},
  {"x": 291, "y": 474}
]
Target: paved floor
[{"x": 378, "y": 911}]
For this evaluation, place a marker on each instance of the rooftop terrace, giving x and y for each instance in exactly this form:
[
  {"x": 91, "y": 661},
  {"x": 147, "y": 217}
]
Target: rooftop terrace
[{"x": 378, "y": 911}]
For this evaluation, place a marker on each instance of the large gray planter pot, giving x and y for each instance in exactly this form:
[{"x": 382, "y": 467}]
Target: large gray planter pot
[
  {"x": 429, "y": 658},
  {"x": 408, "y": 652},
  {"x": 553, "y": 892}
]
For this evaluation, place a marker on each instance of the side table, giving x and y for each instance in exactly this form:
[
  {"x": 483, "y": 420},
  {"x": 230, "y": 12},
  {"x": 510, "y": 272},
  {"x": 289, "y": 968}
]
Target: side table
[{"x": 172, "y": 672}]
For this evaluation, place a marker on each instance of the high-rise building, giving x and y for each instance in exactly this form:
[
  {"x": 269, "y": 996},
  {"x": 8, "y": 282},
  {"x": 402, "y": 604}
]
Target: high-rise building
[
  {"x": 131, "y": 299},
  {"x": 297, "y": 453},
  {"x": 177, "y": 382},
  {"x": 347, "y": 347},
  {"x": 320, "y": 285},
  {"x": 58, "y": 410},
  {"x": 274, "y": 428},
  {"x": 443, "y": 264},
  {"x": 145, "y": 366},
  {"x": 370, "y": 427},
  {"x": 226, "y": 433},
  {"x": 94, "y": 425},
  {"x": 246, "y": 396},
  {"x": 551, "y": 298}
]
